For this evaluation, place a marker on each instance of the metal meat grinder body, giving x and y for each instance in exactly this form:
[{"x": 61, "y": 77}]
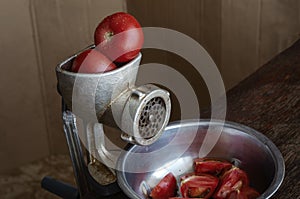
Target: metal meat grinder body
[{"x": 110, "y": 98}]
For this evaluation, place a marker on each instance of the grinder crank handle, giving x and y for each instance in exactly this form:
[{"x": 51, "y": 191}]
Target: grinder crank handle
[{"x": 59, "y": 188}]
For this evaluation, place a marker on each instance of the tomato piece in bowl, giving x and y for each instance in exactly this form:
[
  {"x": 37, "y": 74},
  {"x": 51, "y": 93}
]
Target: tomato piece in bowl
[
  {"x": 211, "y": 166},
  {"x": 198, "y": 186},
  {"x": 232, "y": 182},
  {"x": 166, "y": 188}
]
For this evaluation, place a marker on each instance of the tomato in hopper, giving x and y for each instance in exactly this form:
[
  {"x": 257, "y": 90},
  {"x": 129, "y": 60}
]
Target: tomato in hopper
[
  {"x": 119, "y": 37},
  {"x": 92, "y": 61}
]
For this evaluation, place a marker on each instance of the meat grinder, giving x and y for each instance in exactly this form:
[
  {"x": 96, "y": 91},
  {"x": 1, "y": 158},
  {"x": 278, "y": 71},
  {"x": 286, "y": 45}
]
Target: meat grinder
[{"x": 139, "y": 113}]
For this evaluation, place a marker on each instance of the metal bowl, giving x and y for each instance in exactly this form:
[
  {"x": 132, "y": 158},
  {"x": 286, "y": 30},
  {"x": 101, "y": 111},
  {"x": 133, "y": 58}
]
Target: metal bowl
[{"x": 142, "y": 167}]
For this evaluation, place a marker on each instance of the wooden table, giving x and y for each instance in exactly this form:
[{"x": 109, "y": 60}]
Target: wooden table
[{"x": 269, "y": 101}]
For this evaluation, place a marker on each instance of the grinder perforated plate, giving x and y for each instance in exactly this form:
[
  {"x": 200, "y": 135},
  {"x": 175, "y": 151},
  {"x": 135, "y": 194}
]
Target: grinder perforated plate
[
  {"x": 152, "y": 117},
  {"x": 146, "y": 115}
]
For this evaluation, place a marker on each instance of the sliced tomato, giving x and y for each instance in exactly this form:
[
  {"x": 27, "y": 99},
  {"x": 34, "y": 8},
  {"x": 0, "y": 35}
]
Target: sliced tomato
[
  {"x": 232, "y": 182},
  {"x": 186, "y": 176},
  {"x": 245, "y": 193},
  {"x": 166, "y": 188},
  {"x": 198, "y": 186},
  {"x": 250, "y": 193},
  {"x": 211, "y": 166},
  {"x": 179, "y": 198}
]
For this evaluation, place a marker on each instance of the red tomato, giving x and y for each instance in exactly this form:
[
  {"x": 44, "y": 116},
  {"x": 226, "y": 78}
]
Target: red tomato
[
  {"x": 250, "y": 193},
  {"x": 182, "y": 178},
  {"x": 210, "y": 166},
  {"x": 199, "y": 186},
  {"x": 232, "y": 182},
  {"x": 119, "y": 47},
  {"x": 166, "y": 188},
  {"x": 92, "y": 61},
  {"x": 245, "y": 193}
]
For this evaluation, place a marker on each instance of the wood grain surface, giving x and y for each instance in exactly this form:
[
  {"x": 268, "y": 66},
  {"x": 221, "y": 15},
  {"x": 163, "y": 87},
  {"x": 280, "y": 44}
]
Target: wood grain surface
[{"x": 269, "y": 101}]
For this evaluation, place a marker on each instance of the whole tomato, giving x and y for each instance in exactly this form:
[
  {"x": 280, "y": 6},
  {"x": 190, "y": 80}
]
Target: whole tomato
[
  {"x": 166, "y": 188},
  {"x": 92, "y": 61},
  {"x": 119, "y": 37}
]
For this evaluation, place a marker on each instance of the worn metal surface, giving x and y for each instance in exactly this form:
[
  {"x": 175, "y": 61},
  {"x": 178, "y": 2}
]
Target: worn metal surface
[{"x": 113, "y": 99}]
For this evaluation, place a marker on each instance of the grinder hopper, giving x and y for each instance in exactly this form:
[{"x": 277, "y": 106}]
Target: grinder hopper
[{"x": 112, "y": 98}]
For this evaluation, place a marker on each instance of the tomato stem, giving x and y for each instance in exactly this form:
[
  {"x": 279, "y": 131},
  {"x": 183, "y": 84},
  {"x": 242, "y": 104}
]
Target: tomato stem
[{"x": 108, "y": 36}]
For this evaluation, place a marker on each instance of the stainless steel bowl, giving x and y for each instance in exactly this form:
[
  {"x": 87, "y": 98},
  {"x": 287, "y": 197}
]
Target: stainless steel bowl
[{"x": 248, "y": 149}]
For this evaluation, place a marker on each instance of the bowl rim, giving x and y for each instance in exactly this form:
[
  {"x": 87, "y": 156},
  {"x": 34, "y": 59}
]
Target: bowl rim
[{"x": 274, "y": 151}]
